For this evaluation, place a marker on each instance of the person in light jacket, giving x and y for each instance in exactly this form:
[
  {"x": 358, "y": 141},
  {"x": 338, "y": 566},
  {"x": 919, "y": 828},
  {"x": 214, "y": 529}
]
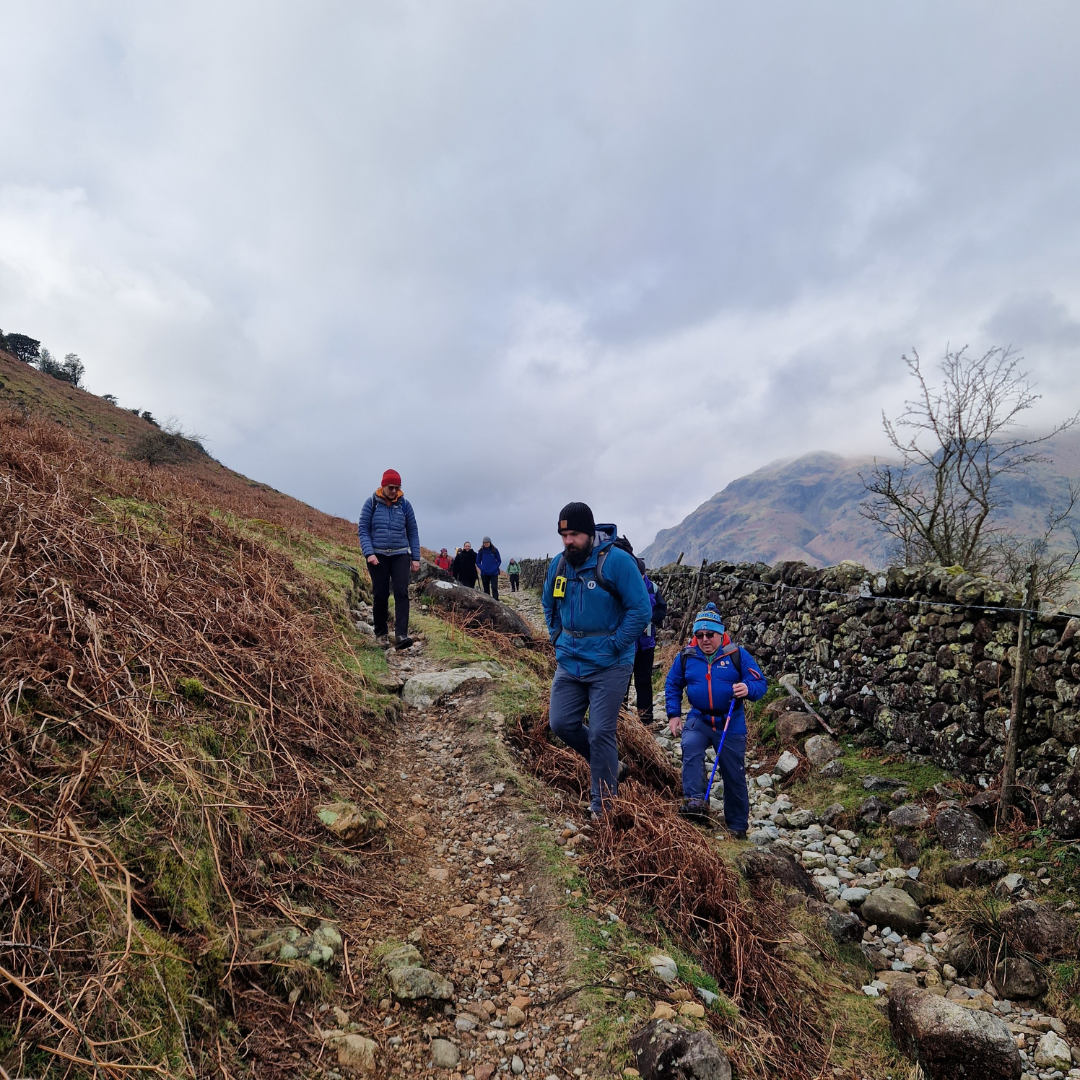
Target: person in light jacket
[
  {"x": 390, "y": 542},
  {"x": 513, "y": 572}
]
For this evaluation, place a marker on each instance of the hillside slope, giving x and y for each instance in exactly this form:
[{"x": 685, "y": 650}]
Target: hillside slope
[{"x": 807, "y": 509}]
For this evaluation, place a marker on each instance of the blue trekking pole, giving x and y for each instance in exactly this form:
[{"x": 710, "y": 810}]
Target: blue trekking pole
[{"x": 719, "y": 750}]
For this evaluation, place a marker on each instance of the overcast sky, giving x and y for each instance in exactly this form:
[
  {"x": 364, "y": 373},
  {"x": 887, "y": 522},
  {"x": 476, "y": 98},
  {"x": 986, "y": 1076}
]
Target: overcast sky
[{"x": 532, "y": 252}]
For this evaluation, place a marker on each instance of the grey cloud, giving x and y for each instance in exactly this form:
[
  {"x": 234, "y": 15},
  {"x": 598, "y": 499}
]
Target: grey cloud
[{"x": 615, "y": 251}]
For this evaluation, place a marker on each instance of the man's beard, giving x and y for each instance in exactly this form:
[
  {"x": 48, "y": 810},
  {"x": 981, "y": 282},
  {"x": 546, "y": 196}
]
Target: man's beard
[{"x": 575, "y": 556}]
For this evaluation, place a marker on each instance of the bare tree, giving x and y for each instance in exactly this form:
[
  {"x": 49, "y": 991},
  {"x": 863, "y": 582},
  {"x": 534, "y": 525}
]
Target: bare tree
[{"x": 956, "y": 442}]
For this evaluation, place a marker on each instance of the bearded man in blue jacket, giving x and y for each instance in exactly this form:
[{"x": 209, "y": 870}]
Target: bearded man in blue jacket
[
  {"x": 714, "y": 673},
  {"x": 596, "y": 607}
]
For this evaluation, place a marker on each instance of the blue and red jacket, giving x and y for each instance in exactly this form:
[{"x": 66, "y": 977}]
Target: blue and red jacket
[{"x": 707, "y": 681}]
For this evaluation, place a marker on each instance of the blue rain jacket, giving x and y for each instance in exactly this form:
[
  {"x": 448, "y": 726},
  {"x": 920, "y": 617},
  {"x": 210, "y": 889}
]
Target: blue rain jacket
[
  {"x": 488, "y": 559},
  {"x": 389, "y": 528},
  {"x": 593, "y": 629},
  {"x": 708, "y": 682}
]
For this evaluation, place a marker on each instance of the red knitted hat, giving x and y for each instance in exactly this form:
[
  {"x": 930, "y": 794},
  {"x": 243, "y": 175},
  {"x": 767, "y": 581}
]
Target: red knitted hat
[{"x": 391, "y": 476}]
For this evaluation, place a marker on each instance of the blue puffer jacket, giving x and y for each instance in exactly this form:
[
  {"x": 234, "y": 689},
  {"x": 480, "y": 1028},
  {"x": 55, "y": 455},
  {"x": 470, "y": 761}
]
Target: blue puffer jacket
[
  {"x": 708, "y": 682},
  {"x": 388, "y": 528},
  {"x": 659, "y": 613},
  {"x": 488, "y": 559},
  {"x": 593, "y": 629}
]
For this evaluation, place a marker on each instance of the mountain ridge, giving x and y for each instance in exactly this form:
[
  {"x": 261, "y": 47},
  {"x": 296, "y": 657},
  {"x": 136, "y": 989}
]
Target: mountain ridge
[{"x": 807, "y": 509}]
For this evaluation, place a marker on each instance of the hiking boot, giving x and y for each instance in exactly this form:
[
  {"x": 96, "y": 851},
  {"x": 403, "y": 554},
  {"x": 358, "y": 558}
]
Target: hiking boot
[
  {"x": 738, "y": 834},
  {"x": 623, "y": 772},
  {"x": 382, "y": 640},
  {"x": 403, "y": 642},
  {"x": 694, "y": 810}
]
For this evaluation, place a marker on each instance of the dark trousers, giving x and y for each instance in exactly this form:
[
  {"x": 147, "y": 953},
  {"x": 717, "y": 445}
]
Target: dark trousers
[
  {"x": 601, "y": 695},
  {"x": 391, "y": 570},
  {"x": 696, "y": 736},
  {"x": 643, "y": 665},
  {"x": 491, "y": 585},
  {"x": 514, "y": 582}
]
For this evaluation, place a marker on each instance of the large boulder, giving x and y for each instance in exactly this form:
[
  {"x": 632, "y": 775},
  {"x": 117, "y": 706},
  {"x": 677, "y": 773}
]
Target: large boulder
[
  {"x": 949, "y": 1041},
  {"x": 893, "y": 907},
  {"x": 1019, "y": 979},
  {"x": 429, "y": 687},
  {"x": 762, "y": 868},
  {"x": 474, "y": 607},
  {"x": 961, "y": 832},
  {"x": 666, "y": 1051},
  {"x": 1038, "y": 929}
]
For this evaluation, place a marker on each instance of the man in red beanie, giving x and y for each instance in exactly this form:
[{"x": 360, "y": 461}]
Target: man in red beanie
[{"x": 390, "y": 542}]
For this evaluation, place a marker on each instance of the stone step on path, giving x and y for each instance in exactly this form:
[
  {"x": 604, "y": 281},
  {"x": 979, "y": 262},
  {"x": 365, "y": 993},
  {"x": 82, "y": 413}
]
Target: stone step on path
[{"x": 473, "y": 906}]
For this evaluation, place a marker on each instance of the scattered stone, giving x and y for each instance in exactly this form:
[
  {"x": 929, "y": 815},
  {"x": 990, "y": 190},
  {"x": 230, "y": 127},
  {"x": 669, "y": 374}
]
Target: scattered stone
[
  {"x": 984, "y": 806},
  {"x": 873, "y": 809},
  {"x": 1014, "y": 886},
  {"x": 400, "y": 956},
  {"x": 692, "y": 1008},
  {"x": 880, "y": 783},
  {"x": 909, "y": 816},
  {"x": 921, "y": 893},
  {"x": 347, "y": 821},
  {"x": 1052, "y": 1052},
  {"x": 949, "y": 1041},
  {"x": 833, "y": 771},
  {"x": 291, "y": 943},
  {"x": 355, "y": 1052},
  {"x": 517, "y": 1066},
  {"x": 765, "y": 867},
  {"x": 820, "y": 750},
  {"x": 427, "y": 688},
  {"x": 515, "y": 1017},
  {"x": 962, "y": 954},
  {"x": 663, "y": 1010},
  {"x": 977, "y": 872},
  {"x": 907, "y": 850},
  {"x": 663, "y": 967},
  {"x": 832, "y": 813},
  {"x": 893, "y": 907},
  {"x": 961, "y": 832},
  {"x": 1039, "y": 929},
  {"x": 444, "y": 1054},
  {"x": 787, "y": 763},
  {"x": 666, "y": 1051},
  {"x": 843, "y": 926}
]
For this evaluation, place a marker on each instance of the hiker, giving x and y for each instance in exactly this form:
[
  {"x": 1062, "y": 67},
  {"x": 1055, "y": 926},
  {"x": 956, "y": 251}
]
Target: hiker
[
  {"x": 442, "y": 560},
  {"x": 513, "y": 572},
  {"x": 596, "y": 606},
  {"x": 391, "y": 544},
  {"x": 489, "y": 562},
  {"x": 464, "y": 568},
  {"x": 716, "y": 675}
]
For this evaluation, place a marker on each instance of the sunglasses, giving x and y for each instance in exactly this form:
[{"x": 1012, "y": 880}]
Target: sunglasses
[{"x": 706, "y": 634}]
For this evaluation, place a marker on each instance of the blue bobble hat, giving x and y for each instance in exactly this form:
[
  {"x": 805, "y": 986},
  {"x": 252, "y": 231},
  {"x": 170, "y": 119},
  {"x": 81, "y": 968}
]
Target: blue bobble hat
[{"x": 709, "y": 619}]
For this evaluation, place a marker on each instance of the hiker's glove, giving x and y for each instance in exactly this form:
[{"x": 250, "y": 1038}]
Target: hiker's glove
[
  {"x": 675, "y": 724},
  {"x": 740, "y": 689}
]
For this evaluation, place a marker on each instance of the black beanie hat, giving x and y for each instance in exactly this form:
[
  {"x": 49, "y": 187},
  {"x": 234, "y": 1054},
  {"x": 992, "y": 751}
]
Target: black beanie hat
[{"x": 576, "y": 517}]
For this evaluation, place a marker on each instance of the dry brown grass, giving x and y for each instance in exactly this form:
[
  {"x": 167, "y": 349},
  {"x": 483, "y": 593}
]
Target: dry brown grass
[{"x": 168, "y": 715}]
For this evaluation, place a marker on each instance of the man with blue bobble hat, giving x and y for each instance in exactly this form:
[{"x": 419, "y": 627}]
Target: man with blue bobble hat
[
  {"x": 716, "y": 676},
  {"x": 596, "y": 607}
]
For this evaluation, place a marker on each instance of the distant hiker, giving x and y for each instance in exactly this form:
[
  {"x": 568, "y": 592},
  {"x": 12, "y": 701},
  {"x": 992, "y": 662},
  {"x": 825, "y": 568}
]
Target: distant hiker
[
  {"x": 442, "y": 560},
  {"x": 489, "y": 562},
  {"x": 513, "y": 572},
  {"x": 390, "y": 542},
  {"x": 715, "y": 674},
  {"x": 464, "y": 566},
  {"x": 596, "y": 606}
]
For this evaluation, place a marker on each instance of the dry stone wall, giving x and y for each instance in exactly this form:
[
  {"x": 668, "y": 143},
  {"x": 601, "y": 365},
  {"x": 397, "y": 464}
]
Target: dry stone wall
[{"x": 918, "y": 660}]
